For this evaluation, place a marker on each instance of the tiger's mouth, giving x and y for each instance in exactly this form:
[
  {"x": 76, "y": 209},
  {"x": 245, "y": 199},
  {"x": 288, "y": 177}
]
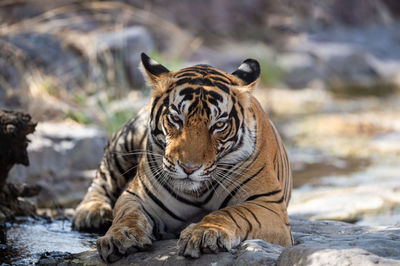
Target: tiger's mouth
[{"x": 189, "y": 185}]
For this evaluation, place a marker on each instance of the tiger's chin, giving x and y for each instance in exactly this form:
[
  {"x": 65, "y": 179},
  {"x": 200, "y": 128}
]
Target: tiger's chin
[{"x": 189, "y": 186}]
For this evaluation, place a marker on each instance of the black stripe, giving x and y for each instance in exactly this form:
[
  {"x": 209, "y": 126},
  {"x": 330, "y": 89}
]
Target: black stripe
[
  {"x": 209, "y": 197},
  {"x": 279, "y": 152},
  {"x": 236, "y": 189},
  {"x": 252, "y": 214},
  {"x": 102, "y": 175},
  {"x": 276, "y": 201},
  {"x": 222, "y": 86},
  {"x": 187, "y": 74},
  {"x": 263, "y": 195},
  {"x": 247, "y": 220},
  {"x": 155, "y": 232},
  {"x": 107, "y": 192},
  {"x": 126, "y": 143},
  {"x": 265, "y": 207},
  {"x": 154, "y": 104},
  {"x": 159, "y": 203},
  {"x": 221, "y": 79},
  {"x": 232, "y": 218},
  {"x": 117, "y": 164},
  {"x": 133, "y": 193}
]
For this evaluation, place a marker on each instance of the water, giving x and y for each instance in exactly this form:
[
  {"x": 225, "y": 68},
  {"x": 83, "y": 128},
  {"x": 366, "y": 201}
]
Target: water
[{"x": 28, "y": 239}]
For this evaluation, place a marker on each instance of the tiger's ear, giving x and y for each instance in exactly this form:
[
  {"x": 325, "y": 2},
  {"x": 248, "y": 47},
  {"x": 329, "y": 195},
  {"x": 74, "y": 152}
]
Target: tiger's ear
[
  {"x": 152, "y": 70},
  {"x": 249, "y": 73}
]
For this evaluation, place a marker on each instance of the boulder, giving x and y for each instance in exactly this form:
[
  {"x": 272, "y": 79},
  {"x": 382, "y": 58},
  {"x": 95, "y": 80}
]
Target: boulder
[
  {"x": 337, "y": 243},
  {"x": 63, "y": 158},
  {"x": 316, "y": 243},
  {"x": 33, "y": 60},
  {"x": 349, "y": 61},
  {"x": 114, "y": 56}
]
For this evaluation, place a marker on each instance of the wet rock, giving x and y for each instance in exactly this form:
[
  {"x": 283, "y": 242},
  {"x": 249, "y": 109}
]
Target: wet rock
[
  {"x": 252, "y": 252},
  {"x": 52, "y": 258},
  {"x": 63, "y": 157},
  {"x": 316, "y": 243}
]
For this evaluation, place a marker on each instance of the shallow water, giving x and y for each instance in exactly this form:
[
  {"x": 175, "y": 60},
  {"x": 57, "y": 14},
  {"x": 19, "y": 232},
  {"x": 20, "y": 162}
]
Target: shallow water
[{"x": 28, "y": 239}]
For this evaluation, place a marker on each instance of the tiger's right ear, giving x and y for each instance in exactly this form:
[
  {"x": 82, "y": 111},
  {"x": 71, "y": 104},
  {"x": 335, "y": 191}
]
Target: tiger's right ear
[{"x": 152, "y": 70}]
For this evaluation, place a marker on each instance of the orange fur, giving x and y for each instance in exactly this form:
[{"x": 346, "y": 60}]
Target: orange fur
[{"x": 248, "y": 201}]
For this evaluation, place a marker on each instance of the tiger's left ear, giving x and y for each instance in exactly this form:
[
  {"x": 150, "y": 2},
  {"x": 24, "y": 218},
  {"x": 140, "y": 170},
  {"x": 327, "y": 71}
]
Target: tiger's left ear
[
  {"x": 249, "y": 73},
  {"x": 152, "y": 70}
]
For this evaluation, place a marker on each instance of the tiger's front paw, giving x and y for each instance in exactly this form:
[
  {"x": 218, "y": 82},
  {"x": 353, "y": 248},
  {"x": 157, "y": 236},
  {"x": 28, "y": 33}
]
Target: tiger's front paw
[
  {"x": 121, "y": 241},
  {"x": 92, "y": 216},
  {"x": 197, "y": 238}
]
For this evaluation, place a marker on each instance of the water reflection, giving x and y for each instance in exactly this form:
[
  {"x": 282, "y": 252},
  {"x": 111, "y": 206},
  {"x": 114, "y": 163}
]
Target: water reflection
[{"x": 28, "y": 239}]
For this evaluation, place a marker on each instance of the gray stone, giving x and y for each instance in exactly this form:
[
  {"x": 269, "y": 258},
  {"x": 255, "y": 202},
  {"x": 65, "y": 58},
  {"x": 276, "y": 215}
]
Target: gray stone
[
  {"x": 257, "y": 252},
  {"x": 23, "y": 53},
  {"x": 117, "y": 53},
  {"x": 63, "y": 158},
  {"x": 336, "y": 243},
  {"x": 340, "y": 57},
  {"x": 316, "y": 243}
]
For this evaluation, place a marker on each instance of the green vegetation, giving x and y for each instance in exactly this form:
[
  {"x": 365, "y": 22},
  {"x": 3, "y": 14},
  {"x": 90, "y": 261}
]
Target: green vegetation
[
  {"x": 116, "y": 119},
  {"x": 173, "y": 62},
  {"x": 271, "y": 73},
  {"x": 360, "y": 90},
  {"x": 79, "y": 116}
]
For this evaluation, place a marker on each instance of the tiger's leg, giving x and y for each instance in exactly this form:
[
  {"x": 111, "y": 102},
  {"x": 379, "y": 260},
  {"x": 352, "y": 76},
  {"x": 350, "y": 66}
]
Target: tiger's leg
[
  {"x": 130, "y": 231},
  {"x": 226, "y": 228},
  {"x": 117, "y": 168}
]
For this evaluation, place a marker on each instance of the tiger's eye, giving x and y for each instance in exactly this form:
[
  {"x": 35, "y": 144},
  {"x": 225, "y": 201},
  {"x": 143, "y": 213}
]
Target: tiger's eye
[
  {"x": 219, "y": 124},
  {"x": 175, "y": 118}
]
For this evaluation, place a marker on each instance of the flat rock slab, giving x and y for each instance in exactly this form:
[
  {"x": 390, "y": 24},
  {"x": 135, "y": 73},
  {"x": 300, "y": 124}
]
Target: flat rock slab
[
  {"x": 338, "y": 243},
  {"x": 252, "y": 252},
  {"x": 316, "y": 243}
]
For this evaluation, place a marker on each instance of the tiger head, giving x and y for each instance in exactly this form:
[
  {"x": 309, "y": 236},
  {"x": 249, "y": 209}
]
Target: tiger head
[{"x": 200, "y": 121}]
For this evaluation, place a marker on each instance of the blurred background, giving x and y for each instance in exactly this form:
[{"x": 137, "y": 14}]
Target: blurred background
[{"x": 330, "y": 81}]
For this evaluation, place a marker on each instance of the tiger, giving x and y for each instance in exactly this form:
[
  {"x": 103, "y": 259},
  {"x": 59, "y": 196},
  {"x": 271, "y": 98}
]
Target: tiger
[{"x": 203, "y": 163}]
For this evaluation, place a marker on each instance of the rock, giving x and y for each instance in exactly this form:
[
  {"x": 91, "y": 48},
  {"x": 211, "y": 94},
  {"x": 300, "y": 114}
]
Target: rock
[
  {"x": 335, "y": 243},
  {"x": 351, "y": 197},
  {"x": 257, "y": 252},
  {"x": 316, "y": 243},
  {"x": 349, "y": 61},
  {"x": 14, "y": 128},
  {"x": 22, "y": 54},
  {"x": 63, "y": 157},
  {"x": 252, "y": 252},
  {"x": 115, "y": 55},
  {"x": 39, "y": 67}
]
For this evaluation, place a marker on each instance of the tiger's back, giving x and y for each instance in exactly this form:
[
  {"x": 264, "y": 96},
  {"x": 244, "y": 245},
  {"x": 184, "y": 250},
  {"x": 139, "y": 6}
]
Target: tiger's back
[{"x": 208, "y": 154}]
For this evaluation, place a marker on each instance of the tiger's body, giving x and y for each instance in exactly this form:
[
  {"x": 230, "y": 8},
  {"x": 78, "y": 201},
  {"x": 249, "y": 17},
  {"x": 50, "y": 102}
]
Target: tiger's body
[{"x": 203, "y": 161}]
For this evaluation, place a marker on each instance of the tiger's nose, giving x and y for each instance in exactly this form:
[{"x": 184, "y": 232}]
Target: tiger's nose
[{"x": 189, "y": 168}]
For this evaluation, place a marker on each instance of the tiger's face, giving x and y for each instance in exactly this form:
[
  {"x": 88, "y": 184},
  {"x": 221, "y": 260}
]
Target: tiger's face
[{"x": 199, "y": 120}]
